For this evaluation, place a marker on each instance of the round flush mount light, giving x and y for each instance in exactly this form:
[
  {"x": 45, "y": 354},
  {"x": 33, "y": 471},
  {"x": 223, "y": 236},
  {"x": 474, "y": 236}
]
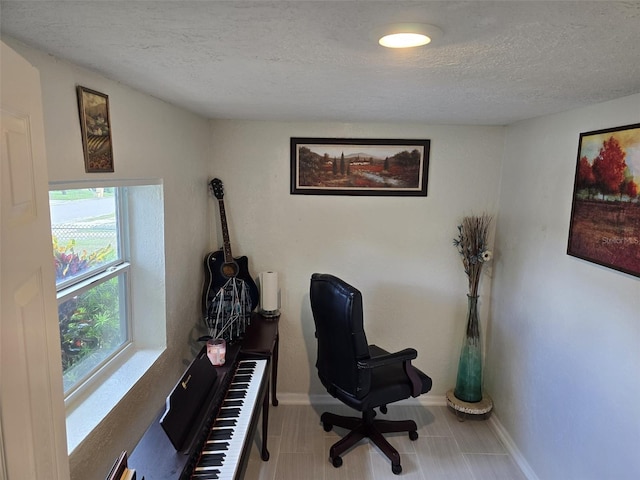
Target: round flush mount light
[{"x": 407, "y": 35}]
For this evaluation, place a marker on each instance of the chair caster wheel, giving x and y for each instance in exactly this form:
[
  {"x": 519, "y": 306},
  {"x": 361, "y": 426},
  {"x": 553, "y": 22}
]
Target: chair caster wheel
[
  {"x": 413, "y": 435},
  {"x": 327, "y": 426},
  {"x": 396, "y": 469},
  {"x": 336, "y": 461}
]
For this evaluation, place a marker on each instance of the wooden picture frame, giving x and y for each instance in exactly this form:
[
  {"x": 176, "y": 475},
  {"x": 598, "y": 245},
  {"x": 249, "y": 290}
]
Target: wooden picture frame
[
  {"x": 605, "y": 213},
  {"x": 95, "y": 126},
  {"x": 349, "y": 166}
]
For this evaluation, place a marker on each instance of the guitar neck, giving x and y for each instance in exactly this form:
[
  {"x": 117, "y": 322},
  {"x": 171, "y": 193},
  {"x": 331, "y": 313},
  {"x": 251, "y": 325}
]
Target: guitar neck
[{"x": 228, "y": 258}]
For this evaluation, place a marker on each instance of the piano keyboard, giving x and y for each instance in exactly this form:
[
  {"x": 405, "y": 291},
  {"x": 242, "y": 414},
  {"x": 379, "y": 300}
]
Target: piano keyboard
[{"x": 220, "y": 456}]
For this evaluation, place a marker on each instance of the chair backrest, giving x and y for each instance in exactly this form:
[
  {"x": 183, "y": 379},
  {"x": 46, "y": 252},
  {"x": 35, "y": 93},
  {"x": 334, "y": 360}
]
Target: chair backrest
[{"x": 337, "y": 313}]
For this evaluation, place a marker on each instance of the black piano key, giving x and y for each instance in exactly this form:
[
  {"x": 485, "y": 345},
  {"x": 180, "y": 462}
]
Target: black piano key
[
  {"x": 241, "y": 379},
  {"x": 206, "y": 472},
  {"x": 211, "y": 459},
  {"x": 233, "y": 403},
  {"x": 240, "y": 386},
  {"x": 208, "y": 475},
  {"x": 222, "y": 434},
  {"x": 235, "y": 387},
  {"x": 229, "y": 412},
  {"x": 236, "y": 394},
  {"x": 226, "y": 422},
  {"x": 212, "y": 446}
]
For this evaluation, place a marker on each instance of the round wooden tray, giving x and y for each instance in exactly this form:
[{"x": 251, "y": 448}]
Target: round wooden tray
[{"x": 483, "y": 407}]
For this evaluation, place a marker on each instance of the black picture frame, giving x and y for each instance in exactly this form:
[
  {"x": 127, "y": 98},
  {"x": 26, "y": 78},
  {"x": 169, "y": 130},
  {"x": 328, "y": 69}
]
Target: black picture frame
[
  {"x": 95, "y": 127},
  {"x": 352, "y": 166},
  {"x": 605, "y": 213}
]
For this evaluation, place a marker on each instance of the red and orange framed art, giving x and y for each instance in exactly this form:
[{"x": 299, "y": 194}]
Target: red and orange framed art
[{"x": 605, "y": 214}]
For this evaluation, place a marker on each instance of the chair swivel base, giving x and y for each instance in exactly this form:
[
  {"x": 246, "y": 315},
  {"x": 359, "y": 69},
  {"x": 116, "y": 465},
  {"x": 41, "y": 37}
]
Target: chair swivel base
[{"x": 367, "y": 427}]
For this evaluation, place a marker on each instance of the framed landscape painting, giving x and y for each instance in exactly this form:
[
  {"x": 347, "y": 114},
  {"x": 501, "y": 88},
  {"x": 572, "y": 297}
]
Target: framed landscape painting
[
  {"x": 605, "y": 215},
  {"x": 95, "y": 127},
  {"x": 348, "y": 166}
]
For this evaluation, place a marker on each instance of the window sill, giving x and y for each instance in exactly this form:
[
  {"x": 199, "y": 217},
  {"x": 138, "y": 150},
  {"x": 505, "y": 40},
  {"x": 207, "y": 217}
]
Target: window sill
[{"x": 86, "y": 414}]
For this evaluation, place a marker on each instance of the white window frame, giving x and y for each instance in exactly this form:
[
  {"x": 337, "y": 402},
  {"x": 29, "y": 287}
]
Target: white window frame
[
  {"x": 88, "y": 406},
  {"x": 120, "y": 267}
]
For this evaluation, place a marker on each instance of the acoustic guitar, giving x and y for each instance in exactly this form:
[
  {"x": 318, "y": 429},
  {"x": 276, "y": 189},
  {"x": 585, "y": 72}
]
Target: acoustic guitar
[{"x": 230, "y": 293}]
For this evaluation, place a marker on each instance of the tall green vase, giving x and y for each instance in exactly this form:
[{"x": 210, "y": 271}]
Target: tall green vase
[{"x": 469, "y": 380}]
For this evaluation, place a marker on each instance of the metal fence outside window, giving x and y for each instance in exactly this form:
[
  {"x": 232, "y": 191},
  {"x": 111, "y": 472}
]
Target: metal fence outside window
[{"x": 71, "y": 231}]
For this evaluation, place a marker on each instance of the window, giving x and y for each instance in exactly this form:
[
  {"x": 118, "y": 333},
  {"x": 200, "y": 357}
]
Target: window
[
  {"x": 110, "y": 254},
  {"x": 90, "y": 248}
]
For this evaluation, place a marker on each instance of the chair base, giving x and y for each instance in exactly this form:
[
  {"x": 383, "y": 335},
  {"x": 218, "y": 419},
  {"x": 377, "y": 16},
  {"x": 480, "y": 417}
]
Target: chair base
[{"x": 367, "y": 427}]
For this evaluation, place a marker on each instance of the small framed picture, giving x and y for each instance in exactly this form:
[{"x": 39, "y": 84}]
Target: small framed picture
[
  {"x": 95, "y": 126},
  {"x": 348, "y": 166}
]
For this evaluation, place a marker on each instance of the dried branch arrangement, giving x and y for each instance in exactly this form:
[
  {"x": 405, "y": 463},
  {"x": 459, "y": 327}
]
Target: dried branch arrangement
[{"x": 472, "y": 245}]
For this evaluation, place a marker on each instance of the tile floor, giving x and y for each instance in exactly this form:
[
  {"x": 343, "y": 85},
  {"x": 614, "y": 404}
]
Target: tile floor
[{"x": 446, "y": 448}]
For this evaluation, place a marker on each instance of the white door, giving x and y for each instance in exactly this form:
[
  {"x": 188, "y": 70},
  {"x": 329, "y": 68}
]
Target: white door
[{"x": 32, "y": 421}]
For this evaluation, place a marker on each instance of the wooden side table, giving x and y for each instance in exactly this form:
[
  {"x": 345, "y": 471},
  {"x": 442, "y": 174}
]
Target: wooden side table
[{"x": 261, "y": 340}]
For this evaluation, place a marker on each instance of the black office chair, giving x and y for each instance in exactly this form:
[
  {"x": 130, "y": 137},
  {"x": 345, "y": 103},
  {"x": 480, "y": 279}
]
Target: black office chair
[{"x": 362, "y": 376}]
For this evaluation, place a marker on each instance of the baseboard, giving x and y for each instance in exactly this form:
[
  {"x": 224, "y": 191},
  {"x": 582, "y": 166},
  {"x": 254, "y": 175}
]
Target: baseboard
[
  {"x": 512, "y": 448},
  {"x": 326, "y": 399}
]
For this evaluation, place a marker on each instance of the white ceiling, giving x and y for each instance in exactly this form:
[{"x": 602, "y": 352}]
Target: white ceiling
[{"x": 497, "y": 62}]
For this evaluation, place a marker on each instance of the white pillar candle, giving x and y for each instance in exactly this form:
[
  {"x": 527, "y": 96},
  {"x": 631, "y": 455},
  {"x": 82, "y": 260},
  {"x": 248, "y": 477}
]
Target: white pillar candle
[{"x": 269, "y": 291}]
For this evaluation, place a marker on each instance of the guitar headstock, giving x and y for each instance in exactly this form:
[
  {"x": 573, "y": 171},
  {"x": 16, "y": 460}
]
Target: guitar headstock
[{"x": 216, "y": 186}]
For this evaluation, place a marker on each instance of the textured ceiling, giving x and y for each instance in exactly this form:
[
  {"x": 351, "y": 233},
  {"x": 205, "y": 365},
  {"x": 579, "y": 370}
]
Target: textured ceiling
[{"x": 497, "y": 61}]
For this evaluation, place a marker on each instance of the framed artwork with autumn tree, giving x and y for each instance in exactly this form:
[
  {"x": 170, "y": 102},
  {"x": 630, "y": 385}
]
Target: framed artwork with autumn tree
[{"x": 605, "y": 214}]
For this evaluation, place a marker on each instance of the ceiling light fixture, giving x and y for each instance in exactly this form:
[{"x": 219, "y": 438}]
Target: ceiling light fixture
[{"x": 407, "y": 35}]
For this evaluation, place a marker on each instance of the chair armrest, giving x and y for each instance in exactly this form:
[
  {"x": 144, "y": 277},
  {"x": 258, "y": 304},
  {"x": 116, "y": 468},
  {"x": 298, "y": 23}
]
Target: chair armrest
[{"x": 405, "y": 356}]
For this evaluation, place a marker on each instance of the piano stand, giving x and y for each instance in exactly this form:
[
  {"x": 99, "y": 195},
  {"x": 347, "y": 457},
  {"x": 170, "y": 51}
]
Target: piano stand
[
  {"x": 262, "y": 340},
  {"x": 265, "y": 426}
]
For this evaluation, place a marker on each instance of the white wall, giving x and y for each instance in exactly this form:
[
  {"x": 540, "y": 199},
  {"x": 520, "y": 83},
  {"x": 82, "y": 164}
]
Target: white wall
[
  {"x": 397, "y": 250},
  {"x": 151, "y": 140},
  {"x": 563, "y": 359}
]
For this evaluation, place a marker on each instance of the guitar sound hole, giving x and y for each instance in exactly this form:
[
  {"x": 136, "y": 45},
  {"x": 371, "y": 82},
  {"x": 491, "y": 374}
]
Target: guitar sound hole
[{"x": 229, "y": 270}]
